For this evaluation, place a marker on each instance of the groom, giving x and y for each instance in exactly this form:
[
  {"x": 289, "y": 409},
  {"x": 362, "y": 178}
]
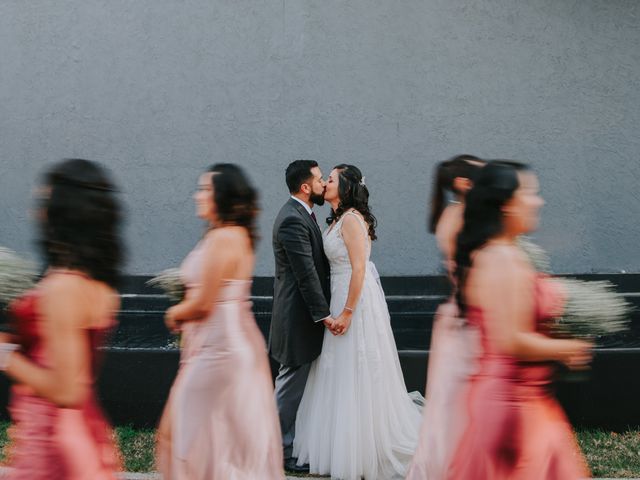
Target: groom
[{"x": 301, "y": 295}]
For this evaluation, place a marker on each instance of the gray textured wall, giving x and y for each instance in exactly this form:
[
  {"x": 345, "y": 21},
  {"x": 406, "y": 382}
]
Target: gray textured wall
[{"x": 158, "y": 89}]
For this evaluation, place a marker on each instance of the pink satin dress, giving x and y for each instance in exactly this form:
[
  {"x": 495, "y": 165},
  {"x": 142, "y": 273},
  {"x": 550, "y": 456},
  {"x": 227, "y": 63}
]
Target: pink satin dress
[
  {"x": 517, "y": 430},
  {"x": 221, "y": 422},
  {"x": 50, "y": 441},
  {"x": 455, "y": 347}
]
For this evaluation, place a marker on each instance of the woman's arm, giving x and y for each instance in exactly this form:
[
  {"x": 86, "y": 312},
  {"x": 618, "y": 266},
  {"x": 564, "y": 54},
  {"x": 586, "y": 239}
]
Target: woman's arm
[
  {"x": 66, "y": 380},
  {"x": 216, "y": 260},
  {"x": 504, "y": 288},
  {"x": 356, "y": 240}
]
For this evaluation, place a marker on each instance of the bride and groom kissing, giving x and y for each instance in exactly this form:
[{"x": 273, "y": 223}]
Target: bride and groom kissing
[{"x": 343, "y": 405}]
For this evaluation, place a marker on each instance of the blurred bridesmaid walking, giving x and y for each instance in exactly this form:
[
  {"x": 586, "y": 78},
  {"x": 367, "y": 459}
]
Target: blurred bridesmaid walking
[
  {"x": 454, "y": 344},
  {"x": 516, "y": 428},
  {"x": 220, "y": 421},
  {"x": 60, "y": 325}
]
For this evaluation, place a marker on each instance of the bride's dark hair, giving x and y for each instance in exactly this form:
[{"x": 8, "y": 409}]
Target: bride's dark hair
[
  {"x": 353, "y": 193},
  {"x": 483, "y": 217}
]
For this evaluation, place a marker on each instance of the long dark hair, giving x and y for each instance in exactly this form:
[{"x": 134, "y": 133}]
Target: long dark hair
[
  {"x": 235, "y": 197},
  {"x": 464, "y": 166},
  {"x": 483, "y": 216},
  {"x": 82, "y": 219},
  {"x": 353, "y": 193}
]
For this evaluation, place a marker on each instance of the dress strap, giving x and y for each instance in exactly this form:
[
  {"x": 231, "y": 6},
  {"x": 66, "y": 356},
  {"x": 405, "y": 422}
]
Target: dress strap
[{"x": 361, "y": 221}]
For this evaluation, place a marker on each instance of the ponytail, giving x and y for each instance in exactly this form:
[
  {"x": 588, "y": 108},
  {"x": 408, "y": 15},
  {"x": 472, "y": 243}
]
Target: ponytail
[
  {"x": 440, "y": 185},
  {"x": 464, "y": 166}
]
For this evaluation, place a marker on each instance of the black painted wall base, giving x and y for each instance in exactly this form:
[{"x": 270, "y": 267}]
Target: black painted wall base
[{"x": 141, "y": 363}]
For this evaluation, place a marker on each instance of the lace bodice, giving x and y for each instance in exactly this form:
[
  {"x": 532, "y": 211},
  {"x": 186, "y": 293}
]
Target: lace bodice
[{"x": 335, "y": 248}]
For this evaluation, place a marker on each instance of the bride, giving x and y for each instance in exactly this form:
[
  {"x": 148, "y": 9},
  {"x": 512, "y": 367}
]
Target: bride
[{"x": 356, "y": 418}]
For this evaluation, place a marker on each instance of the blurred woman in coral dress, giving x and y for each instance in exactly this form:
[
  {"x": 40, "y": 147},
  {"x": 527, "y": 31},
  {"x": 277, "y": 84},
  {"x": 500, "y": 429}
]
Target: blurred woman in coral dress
[
  {"x": 220, "y": 421},
  {"x": 516, "y": 427},
  {"x": 60, "y": 324},
  {"x": 454, "y": 344}
]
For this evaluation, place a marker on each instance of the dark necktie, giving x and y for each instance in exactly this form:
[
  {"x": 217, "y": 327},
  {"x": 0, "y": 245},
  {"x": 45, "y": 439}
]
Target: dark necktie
[{"x": 313, "y": 215}]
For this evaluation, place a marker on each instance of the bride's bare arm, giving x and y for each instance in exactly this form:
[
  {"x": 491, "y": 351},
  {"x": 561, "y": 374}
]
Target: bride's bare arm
[{"x": 356, "y": 241}]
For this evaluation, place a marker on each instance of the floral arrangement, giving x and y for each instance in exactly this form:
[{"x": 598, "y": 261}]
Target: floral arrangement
[
  {"x": 17, "y": 275},
  {"x": 592, "y": 308},
  {"x": 536, "y": 254},
  {"x": 170, "y": 281}
]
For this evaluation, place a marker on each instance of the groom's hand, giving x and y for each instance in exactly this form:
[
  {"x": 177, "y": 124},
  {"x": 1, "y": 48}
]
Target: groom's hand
[
  {"x": 342, "y": 323},
  {"x": 328, "y": 322}
]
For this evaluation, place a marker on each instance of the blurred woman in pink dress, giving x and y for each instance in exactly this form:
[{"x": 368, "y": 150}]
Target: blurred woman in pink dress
[
  {"x": 220, "y": 421},
  {"x": 60, "y": 324},
  {"x": 454, "y": 344},
  {"x": 516, "y": 428}
]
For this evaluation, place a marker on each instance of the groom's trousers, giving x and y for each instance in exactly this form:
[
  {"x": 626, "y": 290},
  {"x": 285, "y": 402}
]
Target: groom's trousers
[{"x": 290, "y": 384}]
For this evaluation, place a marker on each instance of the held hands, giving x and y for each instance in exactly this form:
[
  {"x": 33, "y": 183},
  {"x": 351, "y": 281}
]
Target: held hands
[
  {"x": 340, "y": 325},
  {"x": 328, "y": 322}
]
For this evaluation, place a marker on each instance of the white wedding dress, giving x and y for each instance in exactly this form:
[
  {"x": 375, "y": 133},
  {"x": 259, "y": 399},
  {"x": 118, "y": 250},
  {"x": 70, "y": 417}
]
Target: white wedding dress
[{"x": 356, "y": 419}]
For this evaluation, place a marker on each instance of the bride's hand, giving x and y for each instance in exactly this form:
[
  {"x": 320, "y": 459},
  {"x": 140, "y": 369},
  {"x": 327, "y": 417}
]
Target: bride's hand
[{"x": 342, "y": 323}]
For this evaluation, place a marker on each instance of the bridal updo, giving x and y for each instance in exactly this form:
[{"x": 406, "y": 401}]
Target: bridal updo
[{"x": 353, "y": 193}]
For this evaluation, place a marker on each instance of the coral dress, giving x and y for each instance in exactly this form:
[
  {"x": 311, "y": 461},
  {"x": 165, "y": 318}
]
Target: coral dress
[
  {"x": 50, "y": 441},
  {"x": 221, "y": 422},
  {"x": 517, "y": 430}
]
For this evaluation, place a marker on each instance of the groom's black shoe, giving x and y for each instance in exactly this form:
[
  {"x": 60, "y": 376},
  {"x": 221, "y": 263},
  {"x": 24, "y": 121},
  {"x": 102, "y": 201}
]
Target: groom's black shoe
[{"x": 291, "y": 467}]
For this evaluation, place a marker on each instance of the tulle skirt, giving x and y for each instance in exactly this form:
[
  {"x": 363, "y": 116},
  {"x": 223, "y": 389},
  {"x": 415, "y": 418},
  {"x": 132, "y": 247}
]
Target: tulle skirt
[{"x": 356, "y": 418}]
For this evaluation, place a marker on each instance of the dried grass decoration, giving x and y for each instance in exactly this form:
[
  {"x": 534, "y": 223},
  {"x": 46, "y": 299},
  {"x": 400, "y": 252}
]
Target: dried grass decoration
[
  {"x": 17, "y": 275},
  {"x": 170, "y": 281},
  {"x": 592, "y": 309}
]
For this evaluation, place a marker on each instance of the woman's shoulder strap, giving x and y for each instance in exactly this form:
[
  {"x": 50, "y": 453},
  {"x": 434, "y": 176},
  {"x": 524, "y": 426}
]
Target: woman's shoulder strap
[{"x": 360, "y": 218}]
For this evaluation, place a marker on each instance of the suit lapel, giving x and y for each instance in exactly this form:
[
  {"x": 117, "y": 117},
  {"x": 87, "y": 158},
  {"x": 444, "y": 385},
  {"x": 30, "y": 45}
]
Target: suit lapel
[{"x": 301, "y": 210}]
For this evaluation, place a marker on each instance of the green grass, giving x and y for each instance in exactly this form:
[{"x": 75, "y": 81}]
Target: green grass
[
  {"x": 609, "y": 454},
  {"x": 137, "y": 448}
]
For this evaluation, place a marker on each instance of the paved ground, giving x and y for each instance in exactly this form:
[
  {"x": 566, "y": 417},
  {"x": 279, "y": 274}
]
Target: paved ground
[
  {"x": 155, "y": 476},
  {"x": 128, "y": 476}
]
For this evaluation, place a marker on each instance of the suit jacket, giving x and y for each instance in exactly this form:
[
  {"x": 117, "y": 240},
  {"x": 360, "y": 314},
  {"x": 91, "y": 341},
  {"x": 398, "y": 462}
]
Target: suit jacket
[{"x": 301, "y": 288}]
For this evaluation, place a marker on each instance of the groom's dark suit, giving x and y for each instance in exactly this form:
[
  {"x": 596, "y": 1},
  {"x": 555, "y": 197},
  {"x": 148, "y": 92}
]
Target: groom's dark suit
[
  {"x": 300, "y": 303},
  {"x": 301, "y": 288}
]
